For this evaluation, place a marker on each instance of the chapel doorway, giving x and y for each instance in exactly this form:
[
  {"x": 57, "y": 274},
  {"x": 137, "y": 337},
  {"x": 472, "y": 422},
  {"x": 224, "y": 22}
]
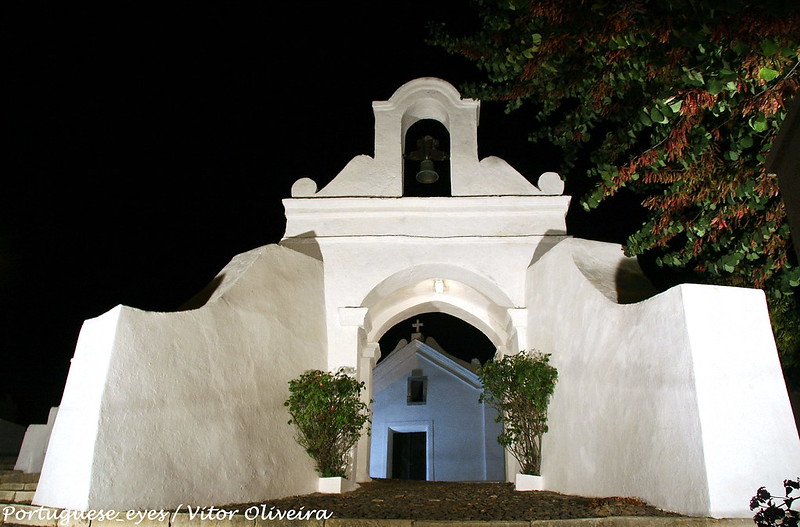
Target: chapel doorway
[
  {"x": 428, "y": 422},
  {"x": 409, "y": 455}
]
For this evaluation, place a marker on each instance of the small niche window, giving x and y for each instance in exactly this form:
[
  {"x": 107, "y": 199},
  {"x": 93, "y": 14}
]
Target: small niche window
[{"x": 417, "y": 388}]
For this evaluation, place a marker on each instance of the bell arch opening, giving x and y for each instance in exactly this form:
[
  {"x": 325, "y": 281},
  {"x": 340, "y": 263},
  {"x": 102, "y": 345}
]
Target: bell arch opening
[
  {"x": 428, "y": 422},
  {"x": 426, "y": 160}
]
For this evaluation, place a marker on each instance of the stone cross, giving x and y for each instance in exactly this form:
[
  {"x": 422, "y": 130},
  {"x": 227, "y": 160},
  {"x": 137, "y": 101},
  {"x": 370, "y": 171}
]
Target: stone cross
[{"x": 416, "y": 335}]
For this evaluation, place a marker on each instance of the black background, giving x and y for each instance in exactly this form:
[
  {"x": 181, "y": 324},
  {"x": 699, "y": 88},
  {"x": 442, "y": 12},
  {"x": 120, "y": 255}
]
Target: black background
[{"x": 146, "y": 145}]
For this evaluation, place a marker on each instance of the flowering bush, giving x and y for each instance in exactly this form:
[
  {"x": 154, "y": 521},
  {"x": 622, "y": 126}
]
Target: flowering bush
[
  {"x": 329, "y": 415},
  {"x": 519, "y": 388}
]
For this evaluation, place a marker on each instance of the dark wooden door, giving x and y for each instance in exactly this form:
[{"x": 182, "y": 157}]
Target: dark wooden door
[{"x": 409, "y": 455}]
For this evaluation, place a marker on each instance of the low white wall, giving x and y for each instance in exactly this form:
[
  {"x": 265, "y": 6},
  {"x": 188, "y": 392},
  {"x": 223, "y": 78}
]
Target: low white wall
[
  {"x": 678, "y": 399},
  {"x": 164, "y": 409},
  {"x": 34, "y": 445}
]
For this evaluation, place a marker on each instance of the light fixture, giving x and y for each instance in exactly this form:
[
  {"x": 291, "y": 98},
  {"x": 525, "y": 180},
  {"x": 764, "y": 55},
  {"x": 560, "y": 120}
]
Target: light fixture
[
  {"x": 438, "y": 286},
  {"x": 426, "y": 154}
]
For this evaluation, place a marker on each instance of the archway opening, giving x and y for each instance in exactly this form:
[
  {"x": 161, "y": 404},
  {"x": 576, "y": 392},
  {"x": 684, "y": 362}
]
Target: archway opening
[
  {"x": 436, "y": 149},
  {"x": 428, "y": 422}
]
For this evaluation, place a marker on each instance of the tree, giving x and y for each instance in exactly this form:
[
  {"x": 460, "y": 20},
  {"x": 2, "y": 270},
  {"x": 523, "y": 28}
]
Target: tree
[{"x": 677, "y": 101}]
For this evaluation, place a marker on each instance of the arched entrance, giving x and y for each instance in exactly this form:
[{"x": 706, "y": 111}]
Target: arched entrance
[{"x": 429, "y": 288}]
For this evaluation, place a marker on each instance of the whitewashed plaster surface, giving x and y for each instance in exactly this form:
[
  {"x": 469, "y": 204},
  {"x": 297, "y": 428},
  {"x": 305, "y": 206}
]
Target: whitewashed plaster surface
[
  {"x": 163, "y": 409},
  {"x": 34, "y": 445},
  {"x": 382, "y": 252},
  {"x": 678, "y": 399},
  {"x": 461, "y": 432}
]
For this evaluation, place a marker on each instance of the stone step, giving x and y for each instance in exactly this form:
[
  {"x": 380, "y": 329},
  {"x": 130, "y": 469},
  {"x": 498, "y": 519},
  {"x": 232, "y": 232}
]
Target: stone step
[
  {"x": 7, "y": 463},
  {"x": 17, "y": 476},
  {"x": 17, "y": 496},
  {"x": 18, "y": 485}
]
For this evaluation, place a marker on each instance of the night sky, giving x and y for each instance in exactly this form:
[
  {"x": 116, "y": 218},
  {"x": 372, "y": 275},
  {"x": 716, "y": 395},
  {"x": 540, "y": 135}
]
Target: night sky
[{"x": 146, "y": 146}]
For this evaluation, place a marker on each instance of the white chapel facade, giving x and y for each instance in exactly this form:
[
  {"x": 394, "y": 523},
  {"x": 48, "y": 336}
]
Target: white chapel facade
[
  {"x": 656, "y": 393},
  {"x": 428, "y": 422}
]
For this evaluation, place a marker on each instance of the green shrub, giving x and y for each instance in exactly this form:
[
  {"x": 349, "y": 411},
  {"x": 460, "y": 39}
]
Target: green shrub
[
  {"x": 519, "y": 387},
  {"x": 329, "y": 416}
]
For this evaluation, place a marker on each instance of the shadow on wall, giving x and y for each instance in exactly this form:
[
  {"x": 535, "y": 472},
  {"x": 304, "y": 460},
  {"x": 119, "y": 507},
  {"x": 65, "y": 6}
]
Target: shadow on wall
[
  {"x": 618, "y": 277},
  {"x": 556, "y": 236},
  {"x": 205, "y": 294},
  {"x": 794, "y": 399},
  {"x": 631, "y": 283},
  {"x": 305, "y": 243}
]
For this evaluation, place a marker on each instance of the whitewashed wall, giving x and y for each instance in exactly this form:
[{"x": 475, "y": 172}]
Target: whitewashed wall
[
  {"x": 163, "y": 409},
  {"x": 34, "y": 445},
  {"x": 678, "y": 399}
]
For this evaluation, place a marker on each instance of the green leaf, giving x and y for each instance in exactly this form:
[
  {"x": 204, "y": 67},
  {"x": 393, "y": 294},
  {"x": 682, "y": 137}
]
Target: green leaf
[
  {"x": 745, "y": 142},
  {"x": 758, "y": 123},
  {"x": 715, "y": 85},
  {"x": 657, "y": 117},
  {"x": 675, "y": 106},
  {"x": 769, "y": 47},
  {"x": 768, "y": 74}
]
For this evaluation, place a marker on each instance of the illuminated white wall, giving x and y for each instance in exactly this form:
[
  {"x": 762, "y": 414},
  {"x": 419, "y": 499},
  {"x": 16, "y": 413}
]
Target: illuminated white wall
[
  {"x": 34, "y": 445},
  {"x": 163, "y": 409},
  {"x": 678, "y": 399}
]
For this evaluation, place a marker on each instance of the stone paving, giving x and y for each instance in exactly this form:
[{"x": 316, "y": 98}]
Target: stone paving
[
  {"x": 16, "y": 486},
  {"x": 381, "y": 503}
]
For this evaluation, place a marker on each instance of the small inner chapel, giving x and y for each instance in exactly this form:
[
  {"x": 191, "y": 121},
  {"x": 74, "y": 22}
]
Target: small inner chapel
[
  {"x": 427, "y": 420},
  {"x": 676, "y": 397}
]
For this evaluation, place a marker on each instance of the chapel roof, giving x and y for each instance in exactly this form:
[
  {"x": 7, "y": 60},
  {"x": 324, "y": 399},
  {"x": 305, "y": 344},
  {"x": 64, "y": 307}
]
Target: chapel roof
[{"x": 458, "y": 368}]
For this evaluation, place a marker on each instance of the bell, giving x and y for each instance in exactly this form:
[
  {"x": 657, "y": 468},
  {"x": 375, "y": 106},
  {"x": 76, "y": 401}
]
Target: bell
[
  {"x": 427, "y": 174},
  {"x": 426, "y": 155}
]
